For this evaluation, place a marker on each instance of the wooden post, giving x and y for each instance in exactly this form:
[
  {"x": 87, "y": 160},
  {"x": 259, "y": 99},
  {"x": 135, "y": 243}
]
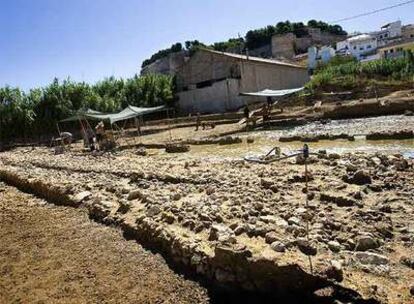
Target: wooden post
[
  {"x": 85, "y": 135},
  {"x": 57, "y": 126},
  {"x": 136, "y": 125},
  {"x": 169, "y": 124},
  {"x": 305, "y": 156},
  {"x": 60, "y": 136}
]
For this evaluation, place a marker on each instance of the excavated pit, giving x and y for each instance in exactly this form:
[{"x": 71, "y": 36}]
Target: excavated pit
[{"x": 230, "y": 273}]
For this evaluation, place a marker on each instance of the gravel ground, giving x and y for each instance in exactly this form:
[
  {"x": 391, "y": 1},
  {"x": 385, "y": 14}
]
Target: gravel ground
[{"x": 57, "y": 255}]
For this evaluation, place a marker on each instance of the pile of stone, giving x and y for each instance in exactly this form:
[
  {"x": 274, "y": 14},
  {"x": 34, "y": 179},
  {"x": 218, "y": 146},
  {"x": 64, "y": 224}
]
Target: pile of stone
[
  {"x": 315, "y": 138},
  {"x": 177, "y": 148},
  {"x": 404, "y": 134}
]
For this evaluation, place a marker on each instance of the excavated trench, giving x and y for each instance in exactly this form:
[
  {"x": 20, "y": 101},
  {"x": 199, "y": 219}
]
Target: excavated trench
[{"x": 231, "y": 274}]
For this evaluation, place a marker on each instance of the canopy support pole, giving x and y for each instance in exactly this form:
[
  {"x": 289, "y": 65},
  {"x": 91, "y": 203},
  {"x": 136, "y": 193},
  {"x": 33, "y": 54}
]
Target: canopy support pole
[
  {"x": 137, "y": 125},
  {"x": 169, "y": 125},
  {"x": 85, "y": 135}
]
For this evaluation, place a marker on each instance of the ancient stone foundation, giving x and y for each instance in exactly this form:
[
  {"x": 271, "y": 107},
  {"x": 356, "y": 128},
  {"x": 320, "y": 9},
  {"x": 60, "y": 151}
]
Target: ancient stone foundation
[{"x": 229, "y": 265}]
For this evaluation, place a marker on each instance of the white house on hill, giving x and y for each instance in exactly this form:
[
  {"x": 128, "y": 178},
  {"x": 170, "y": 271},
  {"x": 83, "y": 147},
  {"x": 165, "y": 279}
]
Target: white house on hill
[{"x": 361, "y": 46}]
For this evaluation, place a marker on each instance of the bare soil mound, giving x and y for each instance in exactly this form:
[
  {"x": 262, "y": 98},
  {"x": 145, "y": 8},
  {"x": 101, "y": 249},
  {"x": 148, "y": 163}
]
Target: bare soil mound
[{"x": 57, "y": 255}]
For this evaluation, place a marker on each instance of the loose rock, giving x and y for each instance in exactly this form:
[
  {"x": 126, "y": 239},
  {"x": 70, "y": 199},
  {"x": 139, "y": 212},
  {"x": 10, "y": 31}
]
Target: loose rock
[
  {"x": 278, "y": 246},
  {"x": 365, "y": 243},
  {"x": 221, "y": 233},
  {"x": 306, "y": 247},
  {"x": 370, "y": 258}
]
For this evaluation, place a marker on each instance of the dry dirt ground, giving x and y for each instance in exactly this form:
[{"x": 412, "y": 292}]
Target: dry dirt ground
[{"x": 54, "y": 254}]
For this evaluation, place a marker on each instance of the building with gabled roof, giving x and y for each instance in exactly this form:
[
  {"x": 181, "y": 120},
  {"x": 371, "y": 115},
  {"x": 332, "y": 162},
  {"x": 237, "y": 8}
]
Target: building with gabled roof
[{"x": 211, "y": 81}]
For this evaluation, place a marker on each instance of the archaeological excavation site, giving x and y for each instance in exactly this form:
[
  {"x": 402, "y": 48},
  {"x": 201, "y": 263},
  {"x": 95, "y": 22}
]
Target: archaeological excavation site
[
  {"x": 274, "y": 166},
  {"x": 320, "y": 218}
]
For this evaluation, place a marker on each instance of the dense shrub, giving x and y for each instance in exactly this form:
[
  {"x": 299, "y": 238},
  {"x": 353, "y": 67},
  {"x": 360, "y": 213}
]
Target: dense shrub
[{"x": 28, "y": 114}]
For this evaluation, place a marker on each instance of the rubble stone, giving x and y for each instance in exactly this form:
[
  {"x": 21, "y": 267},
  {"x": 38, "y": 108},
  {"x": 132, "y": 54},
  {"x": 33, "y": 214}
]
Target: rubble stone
[{"x": 278, "y": 246}]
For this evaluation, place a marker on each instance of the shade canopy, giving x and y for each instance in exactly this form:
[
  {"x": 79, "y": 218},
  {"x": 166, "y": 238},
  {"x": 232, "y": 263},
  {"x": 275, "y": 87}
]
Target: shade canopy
[
  {"x": 81, "y": 114},
  {"x": 272, "y": 93},
  {"x": 127, "y": 113}
]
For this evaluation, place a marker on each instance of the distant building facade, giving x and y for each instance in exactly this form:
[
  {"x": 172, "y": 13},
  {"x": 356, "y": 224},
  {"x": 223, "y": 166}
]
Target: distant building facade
[
  {"x": 283, "y": 46},
  {"x": 388, "y": 33},
  {"x": 360, "y": 46},
  {"x": 365, "y": 47},
  {"x": 288, "y": 45},
  {"x": 407, "y": 31},
  {"x": 211, "y": 81},
  {"x": 397, "y": 49}
]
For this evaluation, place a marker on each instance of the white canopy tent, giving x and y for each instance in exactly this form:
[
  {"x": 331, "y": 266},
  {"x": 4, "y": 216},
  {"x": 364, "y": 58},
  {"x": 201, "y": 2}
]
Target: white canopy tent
[
  {"x": 272, "y": 93},
  {"x": 127, "y": 113}
]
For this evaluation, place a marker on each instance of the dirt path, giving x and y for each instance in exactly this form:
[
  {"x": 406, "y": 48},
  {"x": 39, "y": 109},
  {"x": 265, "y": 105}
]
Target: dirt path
[{"x": 54, "y": 254}]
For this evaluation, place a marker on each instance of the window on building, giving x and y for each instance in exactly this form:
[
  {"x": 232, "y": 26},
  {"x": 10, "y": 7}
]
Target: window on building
[
  {"x": 412, "y": 36},
  {"x": 204, "y": 84},
  {"x": 355, "y": 47},
  {"x": 369, "y": 46},
  {"x": 392, "y": 51},
  {"x": 361, "y": 48},
  {"x": 380, "y": 36},
  {"x": 386, "y": 35}
]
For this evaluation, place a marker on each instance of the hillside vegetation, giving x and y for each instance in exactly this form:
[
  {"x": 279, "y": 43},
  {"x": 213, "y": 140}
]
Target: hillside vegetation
[
  {"x": 253, "y": 39},
  {"x": 28, "y": 114},
  {"x": 344, "y": 73}
]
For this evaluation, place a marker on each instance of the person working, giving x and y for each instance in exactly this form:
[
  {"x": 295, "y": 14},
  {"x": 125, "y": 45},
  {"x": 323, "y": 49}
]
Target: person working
[
  {"x": 100, "y": 133},
  {"x": 269, "y": 101},
  {"x": 198, "y": 121},
  {"x": 246, "y": 112}
]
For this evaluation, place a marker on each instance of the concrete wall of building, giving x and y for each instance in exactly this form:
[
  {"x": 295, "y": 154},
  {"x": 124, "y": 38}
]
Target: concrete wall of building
[
  {"x": 342, "y": 45},
  {"x": 359, "y": 48},
  {"x": 388, "y": 34},
  {"x": 258, "y": 76},
  {"x": 331, "y": 39},
  {"x": 408, "y": 31},
  {"x": 394, "y": 29},
  {"x": 205, "y": 66},
  {"x": 303, "y": 43},
  {"x": 397, "y": 50},
  {"x": 211, "y": 82},
  {"x": 221, "y": 97},
  {"x": 288, "y": 44},
  {"x": 283, "y": 45},
  {"x": 324, "y": 39}
]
